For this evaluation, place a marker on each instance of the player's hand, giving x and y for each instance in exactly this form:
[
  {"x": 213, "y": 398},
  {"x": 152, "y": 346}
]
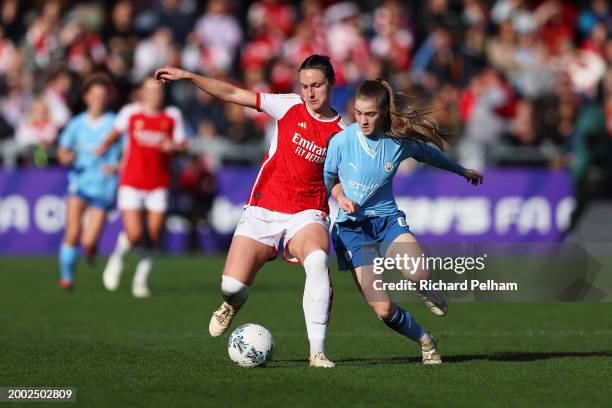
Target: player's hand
[
  {"x": 348, "y": 205},
  {"x": 101, "y": 149},
  {"x": 168, "y": 74},
  {"x": 68, "y": 157},
  {"x": 166, "y": 146},
  {"x": 109, "y": 169},
  {"x": 472, "y": 176},
  {"x": 71, "y": 156}
]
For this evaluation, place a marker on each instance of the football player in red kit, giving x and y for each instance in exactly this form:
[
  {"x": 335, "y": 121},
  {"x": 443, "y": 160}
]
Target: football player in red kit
[
  {"x": 153, "y": 133},
  {"x": 288, "y": 201}
]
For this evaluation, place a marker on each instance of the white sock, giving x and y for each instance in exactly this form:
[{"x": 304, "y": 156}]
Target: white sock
[
  {"x": 115, "y": 261},
  {"x": 143, "y": 269},
  {"x": 317, "y": 299},
  {"x": 122, "y": 247},
  {"x": 233, "y": 291}
]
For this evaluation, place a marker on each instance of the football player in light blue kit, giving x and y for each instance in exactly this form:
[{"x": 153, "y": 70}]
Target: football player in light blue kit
[
  {"x": 92, "y": 182},
  {"x": 365, "y": 157}
]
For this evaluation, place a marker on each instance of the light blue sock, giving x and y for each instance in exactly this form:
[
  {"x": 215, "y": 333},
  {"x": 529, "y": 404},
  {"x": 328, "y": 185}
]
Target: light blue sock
[
  {"x": 68, "y": 257},
  {"x": 402, "y": 322}
]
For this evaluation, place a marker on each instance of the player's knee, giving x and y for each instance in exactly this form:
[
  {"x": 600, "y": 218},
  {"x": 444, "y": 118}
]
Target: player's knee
[
  {"x": 71, "y": 235},
  {"x": 383, "y": 310},
  {"x": 133, "y": 236},
  {"x": 316, "y": 262}
]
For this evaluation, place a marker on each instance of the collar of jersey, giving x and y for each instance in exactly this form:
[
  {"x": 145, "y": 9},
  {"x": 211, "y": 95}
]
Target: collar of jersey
[
  {"x": 366, "y": 147},
  {"x": 97, "y": 123},
  {"x": 320, "y": 120}
]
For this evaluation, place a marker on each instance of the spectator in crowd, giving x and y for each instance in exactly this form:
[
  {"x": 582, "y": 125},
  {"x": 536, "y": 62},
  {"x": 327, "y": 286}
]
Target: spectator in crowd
[
  {"x": 393, "y": 40},
  {"x": 486, "y": 105},
  {"x": 599, "y": 12},
  {"x": 214, "y": 50},
  {"x": 11, "y": 19},
  {"x": 470, "y": 64},
  {"x": 151, "y": 53},
  {"x": 57, "y": 95},
  {"x": 592, "y": 156},
  {"x": 196, "y": 183},
  {"x": 7, "y": 52},
  {"x": 38, "y": 128}
]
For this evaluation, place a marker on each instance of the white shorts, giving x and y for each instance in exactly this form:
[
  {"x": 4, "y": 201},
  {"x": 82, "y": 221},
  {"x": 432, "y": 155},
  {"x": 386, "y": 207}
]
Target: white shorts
[
  {"x": 130, "y": 198},
  {"x": 272, "y": 227}
]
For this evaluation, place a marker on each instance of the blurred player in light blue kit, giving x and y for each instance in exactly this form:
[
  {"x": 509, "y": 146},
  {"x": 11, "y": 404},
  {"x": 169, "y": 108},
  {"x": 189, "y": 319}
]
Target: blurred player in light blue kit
[
  {"x": 365, "y": 157},
  {"x": 92, "y": 182}
]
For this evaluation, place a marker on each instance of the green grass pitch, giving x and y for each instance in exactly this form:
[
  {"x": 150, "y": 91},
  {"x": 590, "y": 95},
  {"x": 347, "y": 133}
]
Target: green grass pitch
[{"x": 119, "y": 351}]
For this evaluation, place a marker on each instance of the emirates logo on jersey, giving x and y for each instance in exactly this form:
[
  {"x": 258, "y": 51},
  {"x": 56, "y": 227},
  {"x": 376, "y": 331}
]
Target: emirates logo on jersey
[
  {"x": 309, "y": 149},
  {"x": 149, "y": 138}
]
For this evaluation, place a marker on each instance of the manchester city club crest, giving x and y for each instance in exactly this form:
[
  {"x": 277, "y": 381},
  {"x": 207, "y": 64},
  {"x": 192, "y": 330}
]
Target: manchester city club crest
[{"x": 388, "y": 167}]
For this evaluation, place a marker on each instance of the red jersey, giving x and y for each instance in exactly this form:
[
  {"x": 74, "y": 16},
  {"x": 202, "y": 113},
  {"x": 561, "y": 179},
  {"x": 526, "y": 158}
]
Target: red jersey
[
  {"x": 145, "y": 166},
  {"x": 290, "y": 179}
]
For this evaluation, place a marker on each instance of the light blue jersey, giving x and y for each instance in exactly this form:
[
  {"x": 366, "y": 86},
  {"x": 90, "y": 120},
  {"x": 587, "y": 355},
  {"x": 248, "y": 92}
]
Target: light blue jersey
[
  {"x": 366, "y": 165},
  {"x": 82, "y": 135}
]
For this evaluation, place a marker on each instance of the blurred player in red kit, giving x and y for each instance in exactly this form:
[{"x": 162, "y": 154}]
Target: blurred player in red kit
[{"x": 153, "y": 134}]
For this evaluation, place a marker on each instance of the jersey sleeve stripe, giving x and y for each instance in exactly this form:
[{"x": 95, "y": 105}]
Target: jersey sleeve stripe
[{"x": 258, "y": 102}]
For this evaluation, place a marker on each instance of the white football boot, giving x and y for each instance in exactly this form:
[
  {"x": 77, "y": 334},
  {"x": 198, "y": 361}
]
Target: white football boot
[
  {"x": 319, "y": 360},
  {"x": 140, "y": 290},
  {"x": 434, "y": 301},
  {"x": 112, "y": 273},
  {"x": 221, "y": 319},
  {"x": 429, "y": 350}
]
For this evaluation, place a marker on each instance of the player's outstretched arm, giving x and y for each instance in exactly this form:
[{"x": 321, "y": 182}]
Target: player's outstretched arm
[
  {"x": 219, "y": 89},
  {"x": 430, "y": 155}
]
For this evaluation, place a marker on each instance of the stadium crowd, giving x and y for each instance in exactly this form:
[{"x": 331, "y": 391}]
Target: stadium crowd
[{"x": 517, "y": 81}]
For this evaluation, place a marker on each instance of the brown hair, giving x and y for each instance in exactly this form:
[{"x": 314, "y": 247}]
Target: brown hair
[
  {"x": 322, "y": 63},
  {"x": 404, "y": 120},
  {"x": 98, "y": 79}
]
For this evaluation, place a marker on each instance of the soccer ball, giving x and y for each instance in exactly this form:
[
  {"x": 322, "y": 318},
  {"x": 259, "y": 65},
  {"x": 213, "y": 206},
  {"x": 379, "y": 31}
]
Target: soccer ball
[{"x": 250, "y": 345}]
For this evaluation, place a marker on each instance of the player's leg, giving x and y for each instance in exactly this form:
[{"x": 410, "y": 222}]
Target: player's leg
[
  {"x": 130, "y": 201},
  {"x": 245, "y": 258},
  {"x": 394, "y": 316},
  {"x": 155, "y": 225},
  {"x": 254, "y": 243},
  {"x": 96, "y": 218},
  {"x": 128, "y": 238},
  {"x": 406, "y": 244},
  {"x": 68, "y": 254},
  {"x": 310, "y": 245},
  {"x": 155, "y": 203}
]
